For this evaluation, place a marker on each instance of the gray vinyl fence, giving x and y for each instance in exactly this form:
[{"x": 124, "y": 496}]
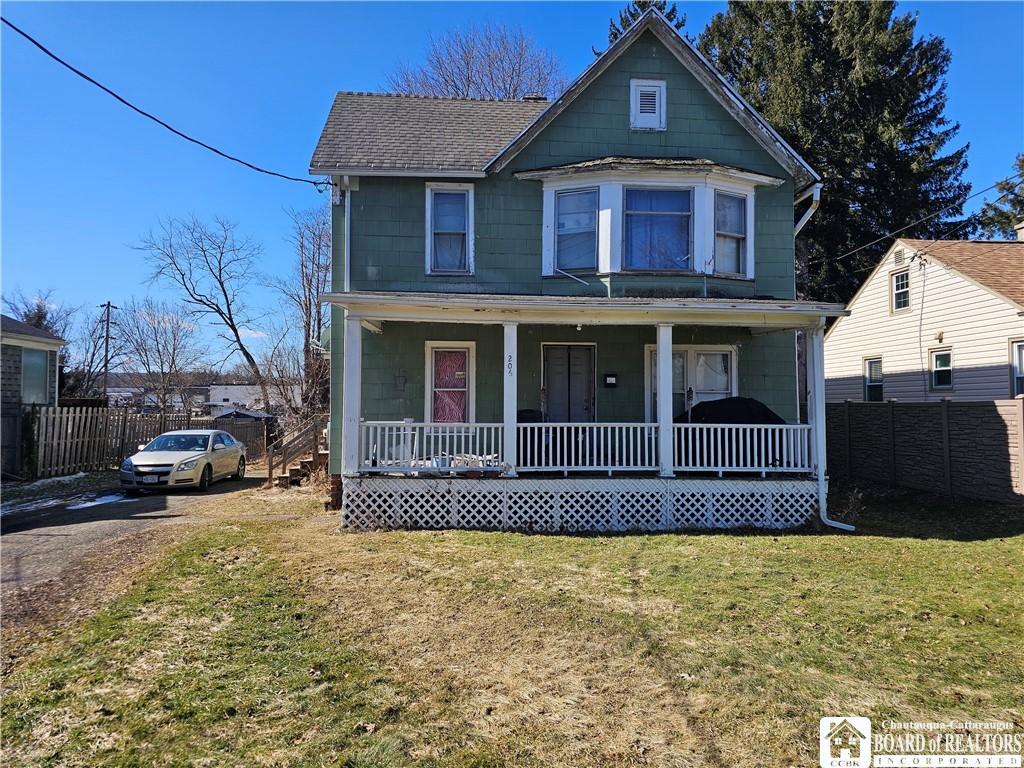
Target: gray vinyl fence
[{"x": 68, "y": 440}]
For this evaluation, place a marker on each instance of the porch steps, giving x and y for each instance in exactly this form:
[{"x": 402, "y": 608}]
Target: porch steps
[{"x": 300, "y": 469}]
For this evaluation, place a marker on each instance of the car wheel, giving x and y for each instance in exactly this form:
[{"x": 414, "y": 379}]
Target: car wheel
[
  {"x": 240, "y": 473},
  {"x": 206, "y": 478}
]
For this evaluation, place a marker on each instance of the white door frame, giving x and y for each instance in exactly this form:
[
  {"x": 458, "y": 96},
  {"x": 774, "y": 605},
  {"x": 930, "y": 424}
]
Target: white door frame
[
  {"x": 428, "y": 376},
  {"x": 543, "y": 383}
]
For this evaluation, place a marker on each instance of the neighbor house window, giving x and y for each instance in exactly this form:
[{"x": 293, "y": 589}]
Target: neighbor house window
[
  {"x": 730, "y": 233},
  {"x": 576, "y": 230},
  {"x": 657, "y": 224},
  {"x": 450, "y": 373},
  {"x": 900, "y": 290},
  {"x": 942, "y": 369},
  {"x": 873, "y": 380},
  {"x": 647, "y": 105},
  {"x": 35, "y": 378},
  {"x": 450, "y": 229},
  {"x": 1018, "y": 368}
]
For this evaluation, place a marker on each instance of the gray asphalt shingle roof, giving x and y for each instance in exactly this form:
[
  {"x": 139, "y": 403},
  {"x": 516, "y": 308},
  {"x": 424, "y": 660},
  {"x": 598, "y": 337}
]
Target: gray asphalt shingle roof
[
  {"x": 408, "y": 133},
  {"x": 11, "y": 325}
]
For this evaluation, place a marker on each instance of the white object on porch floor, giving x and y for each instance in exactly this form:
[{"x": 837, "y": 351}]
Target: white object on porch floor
[{"x": 575, "y": 504}]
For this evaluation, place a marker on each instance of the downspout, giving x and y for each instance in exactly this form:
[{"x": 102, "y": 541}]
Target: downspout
[
  {"x": 816, "y": 406},
  {"x": 814, "y": 192}
]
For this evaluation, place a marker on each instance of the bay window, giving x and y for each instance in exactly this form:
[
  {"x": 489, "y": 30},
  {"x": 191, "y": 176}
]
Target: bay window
[
  {"x": 730, "y": 233},
  {"x": 657, "y": 229},
  {"x": 576, "y": 236}
]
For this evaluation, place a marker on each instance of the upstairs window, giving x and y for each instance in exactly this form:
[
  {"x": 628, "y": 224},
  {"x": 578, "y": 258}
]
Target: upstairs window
[
  {"x": 647, "y": 105},
  {"x": 901, "y": 290},
  {"x": 450, "y": 229},
  {"x": 873, "y": 380},
  {"x": 576, "y": 230},
  {"x": 730, "y": 233},
  {"x": 942, "y": 369},
  {"x": 658, "y": 229}
]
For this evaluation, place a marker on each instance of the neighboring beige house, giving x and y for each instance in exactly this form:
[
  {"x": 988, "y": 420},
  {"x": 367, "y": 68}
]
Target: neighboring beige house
[
  {"x": 936, "y": 319},
  {"x": 225, "y": 398}
]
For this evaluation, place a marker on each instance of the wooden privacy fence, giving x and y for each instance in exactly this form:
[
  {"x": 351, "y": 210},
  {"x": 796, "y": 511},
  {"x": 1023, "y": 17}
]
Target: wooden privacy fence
[
  {"x": 973, "y": 449},
  {"x": 69, "y": 440}
]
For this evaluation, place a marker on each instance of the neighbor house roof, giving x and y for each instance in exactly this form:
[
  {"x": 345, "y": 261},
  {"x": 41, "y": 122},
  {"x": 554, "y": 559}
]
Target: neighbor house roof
[
  {"x": 9, "y": 326},
  {"x": 995, "y": 264},
  {"x": 392, "y": 132}
]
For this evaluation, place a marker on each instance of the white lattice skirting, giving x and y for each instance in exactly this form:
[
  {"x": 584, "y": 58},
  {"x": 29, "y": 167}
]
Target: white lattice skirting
[{"x": 576, "y": 505}]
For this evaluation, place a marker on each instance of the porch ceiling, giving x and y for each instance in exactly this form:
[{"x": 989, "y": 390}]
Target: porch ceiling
[{"x": 586, "y": 310}]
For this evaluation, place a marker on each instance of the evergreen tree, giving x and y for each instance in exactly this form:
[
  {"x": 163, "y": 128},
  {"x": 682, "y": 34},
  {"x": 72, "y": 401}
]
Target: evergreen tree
[
  {"x": 998, "y": 218},
  {"x": 635, "y": 9},
  {"x": 855, "y": 92}
]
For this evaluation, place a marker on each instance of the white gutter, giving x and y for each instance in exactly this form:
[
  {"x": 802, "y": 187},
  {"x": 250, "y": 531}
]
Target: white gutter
[{"x": 815, "y": 194}]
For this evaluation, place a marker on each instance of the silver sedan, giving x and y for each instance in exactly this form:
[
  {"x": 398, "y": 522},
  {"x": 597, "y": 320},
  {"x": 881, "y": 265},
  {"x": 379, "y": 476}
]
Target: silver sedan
[{"x": 188, "y": 458}]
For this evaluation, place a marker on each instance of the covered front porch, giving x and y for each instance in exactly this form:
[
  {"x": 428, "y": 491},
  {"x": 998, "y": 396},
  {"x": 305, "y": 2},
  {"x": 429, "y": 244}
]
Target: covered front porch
[{"x": 543, "y": 412}]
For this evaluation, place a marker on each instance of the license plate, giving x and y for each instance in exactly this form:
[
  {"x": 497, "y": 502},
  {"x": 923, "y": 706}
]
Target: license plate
[{"x": 149, "y": 478}]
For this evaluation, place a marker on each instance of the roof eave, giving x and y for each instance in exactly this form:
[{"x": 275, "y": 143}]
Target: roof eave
[{"x": 433, "y": 173}]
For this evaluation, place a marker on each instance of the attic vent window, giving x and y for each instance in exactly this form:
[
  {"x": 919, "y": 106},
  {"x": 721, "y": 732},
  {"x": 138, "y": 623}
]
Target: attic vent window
[
  {"x": 898, "y": 258},
  {"x": 647, "y": 105}
]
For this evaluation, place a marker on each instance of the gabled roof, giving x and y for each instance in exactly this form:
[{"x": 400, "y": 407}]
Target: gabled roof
[
  {"x": 994, "y": 264},
  {"x": 700, "y": 68},
  {"x": 392, "y": 133},
  {"x": 10, "y": 326}
]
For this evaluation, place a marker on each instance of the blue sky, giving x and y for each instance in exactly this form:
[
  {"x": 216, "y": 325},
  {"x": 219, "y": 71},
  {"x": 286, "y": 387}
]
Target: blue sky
[{"x": 83, "y": 177}]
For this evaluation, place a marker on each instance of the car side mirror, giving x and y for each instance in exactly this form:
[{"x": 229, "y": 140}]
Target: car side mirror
[
  {"x": 142, "y": 446},
  {"x": 218, "y": 447}
]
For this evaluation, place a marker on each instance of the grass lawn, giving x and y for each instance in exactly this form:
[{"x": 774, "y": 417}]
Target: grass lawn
[{"x": 263, "y": 642}]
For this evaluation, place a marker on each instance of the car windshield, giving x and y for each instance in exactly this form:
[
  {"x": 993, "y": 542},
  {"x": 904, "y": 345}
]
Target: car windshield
[{"x": 179, "y": 443}]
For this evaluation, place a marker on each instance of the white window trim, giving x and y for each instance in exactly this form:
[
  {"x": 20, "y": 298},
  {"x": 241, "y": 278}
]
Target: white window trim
[
  {"x": 597, "y": 229},
  {"x": 428, "y": 227},
  {"x": 892, "y": 291},
  {"x": 691, "y": 369},
  {"x": 1016, "y": 368},
  {"x": 932, "y": 369},
  {"x": 611, "y": 215},
  {"x": 634, "y": 105},
  {"x": 428, "y": 376},
  {"x": 747, "y": 255},
  {"x": 865, "y": 379}
]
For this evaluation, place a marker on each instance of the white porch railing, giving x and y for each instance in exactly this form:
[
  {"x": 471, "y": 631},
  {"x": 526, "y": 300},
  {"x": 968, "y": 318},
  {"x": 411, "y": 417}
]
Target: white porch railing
[
  {"x": 587, "y": 447},
  {"x": 405, "y": 447},
  {"x": 741, "y": 448}
]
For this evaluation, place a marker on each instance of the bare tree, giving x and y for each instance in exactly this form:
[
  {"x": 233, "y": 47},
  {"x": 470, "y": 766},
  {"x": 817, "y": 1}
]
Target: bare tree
[
  {"x": 83, "y": 375},
  {"x": 493, "y": 61},
  {"x": 162, "y": 348},
  {"x": 303, "y": 360},
  {"x": 42, "y": 310},
  {"x": 213, "y": 267}
]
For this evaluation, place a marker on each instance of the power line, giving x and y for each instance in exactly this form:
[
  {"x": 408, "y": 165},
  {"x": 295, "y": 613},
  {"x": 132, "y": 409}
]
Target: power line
[
  {"x": 939, "y": 212},
  {"x": 319, "y": 185}
]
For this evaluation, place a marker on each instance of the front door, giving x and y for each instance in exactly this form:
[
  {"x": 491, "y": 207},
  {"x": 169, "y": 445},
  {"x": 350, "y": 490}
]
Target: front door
[{"x": 569, "y": 382}]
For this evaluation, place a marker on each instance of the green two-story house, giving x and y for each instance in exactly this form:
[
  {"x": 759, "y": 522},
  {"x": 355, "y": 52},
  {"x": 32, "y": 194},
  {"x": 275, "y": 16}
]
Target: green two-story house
[{"x": 514, "y": 282}]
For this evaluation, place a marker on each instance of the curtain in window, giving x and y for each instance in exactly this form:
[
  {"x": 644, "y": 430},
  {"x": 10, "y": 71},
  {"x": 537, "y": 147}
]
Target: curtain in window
[
  {"x": 449, "y": 214},
  {"x": 657, "y": 229},
  {"x": 712, "y": 372},
  {"x": 34, "y": 376},
  {"x": 576, "y": 230},
  {"x": 451, "y": 385},
  {"x": 730, "y": 233}
]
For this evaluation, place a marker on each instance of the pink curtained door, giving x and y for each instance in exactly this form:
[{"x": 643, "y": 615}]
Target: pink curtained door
[{"x": 451, "y": 393}]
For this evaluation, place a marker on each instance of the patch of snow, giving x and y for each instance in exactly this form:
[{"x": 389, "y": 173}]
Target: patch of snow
[
  {"x": 50, "y": 480},
  {"x": 29, "y": 506},
  {"x": 108, "y": 499}
]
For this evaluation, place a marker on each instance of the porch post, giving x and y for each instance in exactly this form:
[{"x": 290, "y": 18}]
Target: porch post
[
  {"x": 816, "y": 407},
  {"x": 664, "y": 378},
  {"x": 510, "y": 408},
  {"x": 351, "y": 403}
]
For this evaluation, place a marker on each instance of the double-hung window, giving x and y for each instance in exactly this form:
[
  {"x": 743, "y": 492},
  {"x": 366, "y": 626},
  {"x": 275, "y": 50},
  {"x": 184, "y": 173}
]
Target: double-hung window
[
  {"x": 942, "y": 369},
  {"x": 1017, "y": 364},
  {"x": 873, "y": 380},
  {"x": 658, "y": 229},
  {"x": 576, "y": 230},
  {"x": 449, "y": 240},
  {"x": 730, "y": 233},
  {"x": 900, "y": 290},
  {"x": 34, "y": 376}
]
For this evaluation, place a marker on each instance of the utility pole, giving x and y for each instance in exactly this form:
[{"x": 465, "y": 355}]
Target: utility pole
[{"x": 106, "y": 342}]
